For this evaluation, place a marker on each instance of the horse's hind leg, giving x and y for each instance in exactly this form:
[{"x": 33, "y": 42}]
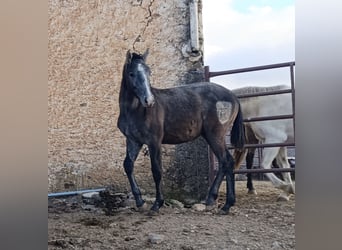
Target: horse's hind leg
[
  {"x": 132, "y": 151},
  {"x": 230, "y": 184},
  {"x": 250, "y": 138},
  {"x": 213, "y": 191},
  {"x": 226, "y": 165},
  {"x": 249, "y": 165},
  {"x": 268, "y": 155},
  {"x": 283, "y": 163},
  {"x": 248, "y": 155}
]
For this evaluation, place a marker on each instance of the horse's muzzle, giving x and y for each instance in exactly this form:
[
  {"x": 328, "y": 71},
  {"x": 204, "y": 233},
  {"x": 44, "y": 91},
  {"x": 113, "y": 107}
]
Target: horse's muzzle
[{"x": 149, "y": 101}]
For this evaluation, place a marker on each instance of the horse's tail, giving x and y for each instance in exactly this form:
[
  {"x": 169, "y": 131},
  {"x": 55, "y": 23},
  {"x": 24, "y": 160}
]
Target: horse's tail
[{"x": 237, "y": 135}]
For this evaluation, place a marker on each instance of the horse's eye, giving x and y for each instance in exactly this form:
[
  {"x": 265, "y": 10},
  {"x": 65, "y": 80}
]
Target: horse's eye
[{"x": 131, "y": 74}]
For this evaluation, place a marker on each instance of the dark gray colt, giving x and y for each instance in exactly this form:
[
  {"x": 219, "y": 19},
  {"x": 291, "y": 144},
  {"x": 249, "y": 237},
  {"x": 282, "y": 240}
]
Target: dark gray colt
[{"x": 154, "y": 117}]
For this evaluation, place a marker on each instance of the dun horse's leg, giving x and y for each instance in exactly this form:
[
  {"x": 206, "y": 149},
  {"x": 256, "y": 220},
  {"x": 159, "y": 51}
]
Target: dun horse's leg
[
  {"x": 250, "y": 138},
  {"x": 156, "y": 165},
  {"x": 248, "y": 155},
  {"x": 132, "y": 151},
  {"x": 249, "y": 164}
]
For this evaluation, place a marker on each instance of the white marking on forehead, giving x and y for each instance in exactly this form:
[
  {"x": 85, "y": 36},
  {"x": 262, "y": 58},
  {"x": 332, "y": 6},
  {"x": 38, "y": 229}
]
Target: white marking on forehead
[
  {"x": 146, "y": 82},
  {"x": 224, "y": 111},
  {"x": 140, "y": 67}
]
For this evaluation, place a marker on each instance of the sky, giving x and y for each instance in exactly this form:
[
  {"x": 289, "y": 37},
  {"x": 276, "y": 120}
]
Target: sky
[{"x": 248, "y": 33}]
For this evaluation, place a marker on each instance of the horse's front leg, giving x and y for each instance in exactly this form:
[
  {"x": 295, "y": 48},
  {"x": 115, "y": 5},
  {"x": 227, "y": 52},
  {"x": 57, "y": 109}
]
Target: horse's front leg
[
  {"x": 156, "y": 165},
  {"x": 132, "y": 151}
]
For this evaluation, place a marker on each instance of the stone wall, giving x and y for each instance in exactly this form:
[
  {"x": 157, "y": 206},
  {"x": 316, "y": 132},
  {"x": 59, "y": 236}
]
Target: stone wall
[{"x": 88, "y": 41}]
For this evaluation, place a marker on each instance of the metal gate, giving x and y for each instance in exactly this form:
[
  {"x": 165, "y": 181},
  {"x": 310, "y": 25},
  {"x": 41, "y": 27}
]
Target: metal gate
[{"x": 208, "y": 75}]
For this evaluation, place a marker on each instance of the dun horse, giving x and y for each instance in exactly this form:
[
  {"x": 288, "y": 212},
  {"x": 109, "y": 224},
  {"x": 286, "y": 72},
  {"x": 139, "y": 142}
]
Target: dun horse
[
  {"x": 275, "y": 131},
  {"x": 154, "y": 116}
]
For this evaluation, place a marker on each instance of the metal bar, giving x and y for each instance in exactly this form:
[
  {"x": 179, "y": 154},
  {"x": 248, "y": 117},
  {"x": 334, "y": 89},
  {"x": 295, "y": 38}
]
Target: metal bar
[
  {"x": 277, "y": 92},
  {"x": 194, "y": 36},
  {"x": 293, "y": 98},
  {"x": 262, "y": 170},
  {"x": 235, "y": 71},
  {"x": 260, "y": 154},
  {"x": 267, "y": 145},
  {"x": 206, "y": 73},
  {"x": 267, "y": 118}
]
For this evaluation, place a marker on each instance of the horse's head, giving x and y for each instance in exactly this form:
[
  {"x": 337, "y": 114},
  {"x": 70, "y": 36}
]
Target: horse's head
[{"x": 137, "y": 75}]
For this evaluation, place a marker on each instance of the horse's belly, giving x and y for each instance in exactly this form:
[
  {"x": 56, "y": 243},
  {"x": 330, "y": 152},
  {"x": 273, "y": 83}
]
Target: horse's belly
[
  {"x": 177, "y": 140},
  {"x": 182, "y": 129},
  {"x": 177, "y": 136}
]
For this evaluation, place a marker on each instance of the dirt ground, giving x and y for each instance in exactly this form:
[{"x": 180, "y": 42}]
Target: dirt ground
[{"x": 255, "y": 222}]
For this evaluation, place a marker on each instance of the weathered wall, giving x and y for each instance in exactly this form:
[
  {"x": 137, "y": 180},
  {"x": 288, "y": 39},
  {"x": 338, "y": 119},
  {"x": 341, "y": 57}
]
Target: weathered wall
[{"x": 88, "y": 41}]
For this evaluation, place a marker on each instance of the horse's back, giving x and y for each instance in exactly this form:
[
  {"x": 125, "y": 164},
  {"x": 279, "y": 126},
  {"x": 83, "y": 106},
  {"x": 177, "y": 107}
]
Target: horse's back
[
  {"x": 198, "y": 100},
  {"x": 279, "y": 104},
  {"x": 206, "y": 91},
  {"x": 269, "y": 105}
]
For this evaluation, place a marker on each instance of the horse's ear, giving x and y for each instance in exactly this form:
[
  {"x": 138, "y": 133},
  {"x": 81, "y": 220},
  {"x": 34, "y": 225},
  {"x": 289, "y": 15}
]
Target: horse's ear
[
  {"x": 146, "y": 54},
  {"x": 128, "y": 57}
]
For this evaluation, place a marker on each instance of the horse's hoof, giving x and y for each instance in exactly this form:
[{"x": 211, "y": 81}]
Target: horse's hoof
[
  {"x": 153, "y": 212},
  {"x": 210, "y": 208},
  {"x": 291, "y": 189},
  {"x": 157, "y": 204},
  {"x": 252, "y": 191},
  {"x": 283, "y": 197},
  {"x": 287, "y": 188},
  {"x": 142, "y": 208},
  {"x": 223, "y": 212}
]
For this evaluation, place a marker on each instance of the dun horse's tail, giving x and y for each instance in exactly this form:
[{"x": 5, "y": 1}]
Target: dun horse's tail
[
  {"x": 237, "y": 135},
  {"x": 239, "y": 156}
]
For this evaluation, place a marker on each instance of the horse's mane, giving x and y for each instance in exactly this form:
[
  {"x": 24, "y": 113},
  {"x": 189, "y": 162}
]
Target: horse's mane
[
  {"x": 255, "y": 89},
  {"x": 137, "y": 56}
]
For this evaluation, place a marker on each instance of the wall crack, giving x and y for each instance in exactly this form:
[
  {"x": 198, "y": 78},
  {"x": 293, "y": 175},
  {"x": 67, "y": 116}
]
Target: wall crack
[{"x": 148, "y": 19}]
